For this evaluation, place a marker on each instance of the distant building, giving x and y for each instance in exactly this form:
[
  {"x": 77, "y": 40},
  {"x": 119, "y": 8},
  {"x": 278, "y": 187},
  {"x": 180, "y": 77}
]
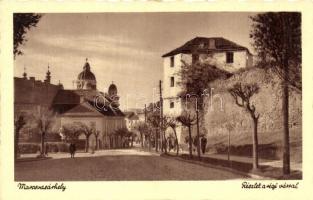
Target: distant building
[
  {"x": 131, "y": 120},
  {"x": 220, "y": 52},
  {"x": 85, "y": 104}
]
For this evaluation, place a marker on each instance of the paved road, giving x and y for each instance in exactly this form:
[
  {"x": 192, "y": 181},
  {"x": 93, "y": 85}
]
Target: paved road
[{"x": 118, "y": 165}]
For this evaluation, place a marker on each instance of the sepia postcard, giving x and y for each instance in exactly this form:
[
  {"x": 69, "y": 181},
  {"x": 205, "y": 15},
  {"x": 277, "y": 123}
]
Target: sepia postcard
[{"x": 156, "y": 100}]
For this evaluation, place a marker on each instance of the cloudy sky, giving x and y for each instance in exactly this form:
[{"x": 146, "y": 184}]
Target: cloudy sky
[{"x": 125, "y": 48}]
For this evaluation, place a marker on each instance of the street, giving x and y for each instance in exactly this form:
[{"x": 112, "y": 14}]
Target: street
[{"x": 127, "y": 164}]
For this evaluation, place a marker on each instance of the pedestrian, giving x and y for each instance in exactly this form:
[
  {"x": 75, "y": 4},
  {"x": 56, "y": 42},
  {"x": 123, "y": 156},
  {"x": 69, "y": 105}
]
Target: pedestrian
[
  {"x": 203, "y": 144},
  {"x": 72, "y": 149}
]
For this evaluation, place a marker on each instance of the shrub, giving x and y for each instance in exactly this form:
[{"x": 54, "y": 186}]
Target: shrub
[
  {"x": 63, "y": 147},
  {"x": 28, "y": 148}
]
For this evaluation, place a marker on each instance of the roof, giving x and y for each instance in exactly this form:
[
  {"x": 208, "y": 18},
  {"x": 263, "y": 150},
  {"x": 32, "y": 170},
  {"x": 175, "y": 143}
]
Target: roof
[
  {"x": 89, "y": 108},
  {"x": 131, "y": 115},
  {"x": 66, "y": 97},
  {"x": 28, "y": 91},
  {"x": 73, "y": 96},
  {"x": 206, "y": 45}
]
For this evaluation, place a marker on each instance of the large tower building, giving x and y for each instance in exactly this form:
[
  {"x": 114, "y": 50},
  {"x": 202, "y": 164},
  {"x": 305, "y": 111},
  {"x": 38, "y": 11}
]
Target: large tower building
[{"x": 220, "y": 52}]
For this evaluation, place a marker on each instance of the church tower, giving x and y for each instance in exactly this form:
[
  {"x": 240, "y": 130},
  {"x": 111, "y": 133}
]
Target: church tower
[
  {"x": 86, "y": 80},
  {"x": 112, "y": 92},
  {"x": 25, "y": 74},
  {"x": 48, "y": 75}
]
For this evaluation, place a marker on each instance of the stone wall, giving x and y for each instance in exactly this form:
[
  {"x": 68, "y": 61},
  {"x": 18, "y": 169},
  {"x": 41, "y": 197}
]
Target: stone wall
[{"x": 221, "y": 110}]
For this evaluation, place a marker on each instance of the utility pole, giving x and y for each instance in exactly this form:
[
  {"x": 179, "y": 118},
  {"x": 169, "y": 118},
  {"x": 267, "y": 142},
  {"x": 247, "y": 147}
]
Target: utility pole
[
  {"x": 161, "y": 115},
  {"x": 198, "y": 134}
]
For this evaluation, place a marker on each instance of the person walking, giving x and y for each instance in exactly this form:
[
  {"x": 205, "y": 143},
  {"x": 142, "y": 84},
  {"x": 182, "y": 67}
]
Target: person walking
[
  {"x": 203, "y": 144},
  {"x": 72, "y": 149}
]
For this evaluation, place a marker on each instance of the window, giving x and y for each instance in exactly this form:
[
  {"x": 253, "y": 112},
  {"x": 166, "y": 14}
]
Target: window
[
  {"x": 172, "y": 105},
  {"x": 172, "y": 81},
  {"x": 172, "y": 61},
  {"x": 229, "y": 57}
]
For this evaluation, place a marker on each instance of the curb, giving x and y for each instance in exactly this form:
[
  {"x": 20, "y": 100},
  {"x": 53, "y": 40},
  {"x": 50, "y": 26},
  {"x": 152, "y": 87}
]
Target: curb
[
  {"x": 249, "y": 175},
  {"x": 32, "y": 159}
]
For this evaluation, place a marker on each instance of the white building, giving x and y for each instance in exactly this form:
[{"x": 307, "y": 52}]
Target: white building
[{"x": 224, "y": 54}]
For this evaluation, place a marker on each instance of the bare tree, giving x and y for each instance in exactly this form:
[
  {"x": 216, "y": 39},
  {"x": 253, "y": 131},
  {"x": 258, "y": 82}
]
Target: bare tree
[
  {"x": 87, "y": 131},
  {"x": 142, "y": 127},
  {"x": 188, "y": 120},
  {"x": 166, "y": 121},
  {"x": 19, "y": 123},
  {"x": 43, "y": 121},
  {"x": 71, "y": 131},
  {"x": 97, "y": 134},
  {"x": 173, "y": 125},
  {"x": 242, "y": 95},
  {"x": 154, "y": 121},
  {"x": 195, "y": 80}
]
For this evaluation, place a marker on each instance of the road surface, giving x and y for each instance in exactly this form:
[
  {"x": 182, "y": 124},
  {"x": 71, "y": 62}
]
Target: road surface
[{"x": 116, "y": 165}]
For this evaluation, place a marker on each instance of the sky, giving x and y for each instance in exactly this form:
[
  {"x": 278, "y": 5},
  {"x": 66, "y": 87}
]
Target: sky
[{"x": 125, "y": 48}]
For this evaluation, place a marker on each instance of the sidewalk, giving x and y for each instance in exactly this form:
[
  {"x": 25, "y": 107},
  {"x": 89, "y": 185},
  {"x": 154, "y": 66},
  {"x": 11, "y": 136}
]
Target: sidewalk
[
  {"x": 262, "y": 162},
  {"x": 268, "y": 169},
  {"x": 106, "y": 152}
]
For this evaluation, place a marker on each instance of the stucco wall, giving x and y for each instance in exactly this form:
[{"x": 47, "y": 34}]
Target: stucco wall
[
  {"x": 218, "y": 59},
  {"x": 169, "y": 72}
]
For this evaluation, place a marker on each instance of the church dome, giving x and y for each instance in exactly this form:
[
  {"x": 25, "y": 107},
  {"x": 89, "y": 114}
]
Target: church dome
[
  {"x": 112, "y": 89},
  {"x": 86, "y": 79},
  {"x": 86, "y": 74}
]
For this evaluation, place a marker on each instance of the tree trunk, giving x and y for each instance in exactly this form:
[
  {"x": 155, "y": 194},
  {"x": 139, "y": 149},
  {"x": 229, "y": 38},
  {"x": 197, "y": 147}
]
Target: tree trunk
[
  {"x": 255, "y": 144},
  {"x": 198, "y": 136},
  {"x": 43, "y": 143},
  {"x": 87, "y": 143},
  {"x": 165, "y": 142},
  {"x": 176, "y": 142},
  {"x": 285, "y": 98},
  {"x": 16, "y": 140},
  {"x": 141, "y": 138},
  {"x": 162, "y": 141},
  {"x": 156, "y": 140},
  {"x": 190, "y": 142},
  {"x": 149, "y": 138},
  {"x": 97, "y": 144},
  {"x": 132, "y": 141},
  {"x": 285, "y": 113}
]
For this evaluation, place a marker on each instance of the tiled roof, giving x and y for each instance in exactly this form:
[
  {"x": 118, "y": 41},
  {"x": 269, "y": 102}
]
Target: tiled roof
[
  {"x": 69, "y": 101},
  {"x": 89, "y": 107},
  {"x": 81, "y": 108},
  {"x": 73, "y": 96},
  {"x": 28, "y": 91},
  {"x": 107, "y": 110},
  {"x": 202, "y": 45},
  {"x": 66, "y": 97}
]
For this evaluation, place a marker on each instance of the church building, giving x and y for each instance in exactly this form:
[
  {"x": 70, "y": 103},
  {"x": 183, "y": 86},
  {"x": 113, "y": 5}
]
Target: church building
[{"x": 85, "y": 104}]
